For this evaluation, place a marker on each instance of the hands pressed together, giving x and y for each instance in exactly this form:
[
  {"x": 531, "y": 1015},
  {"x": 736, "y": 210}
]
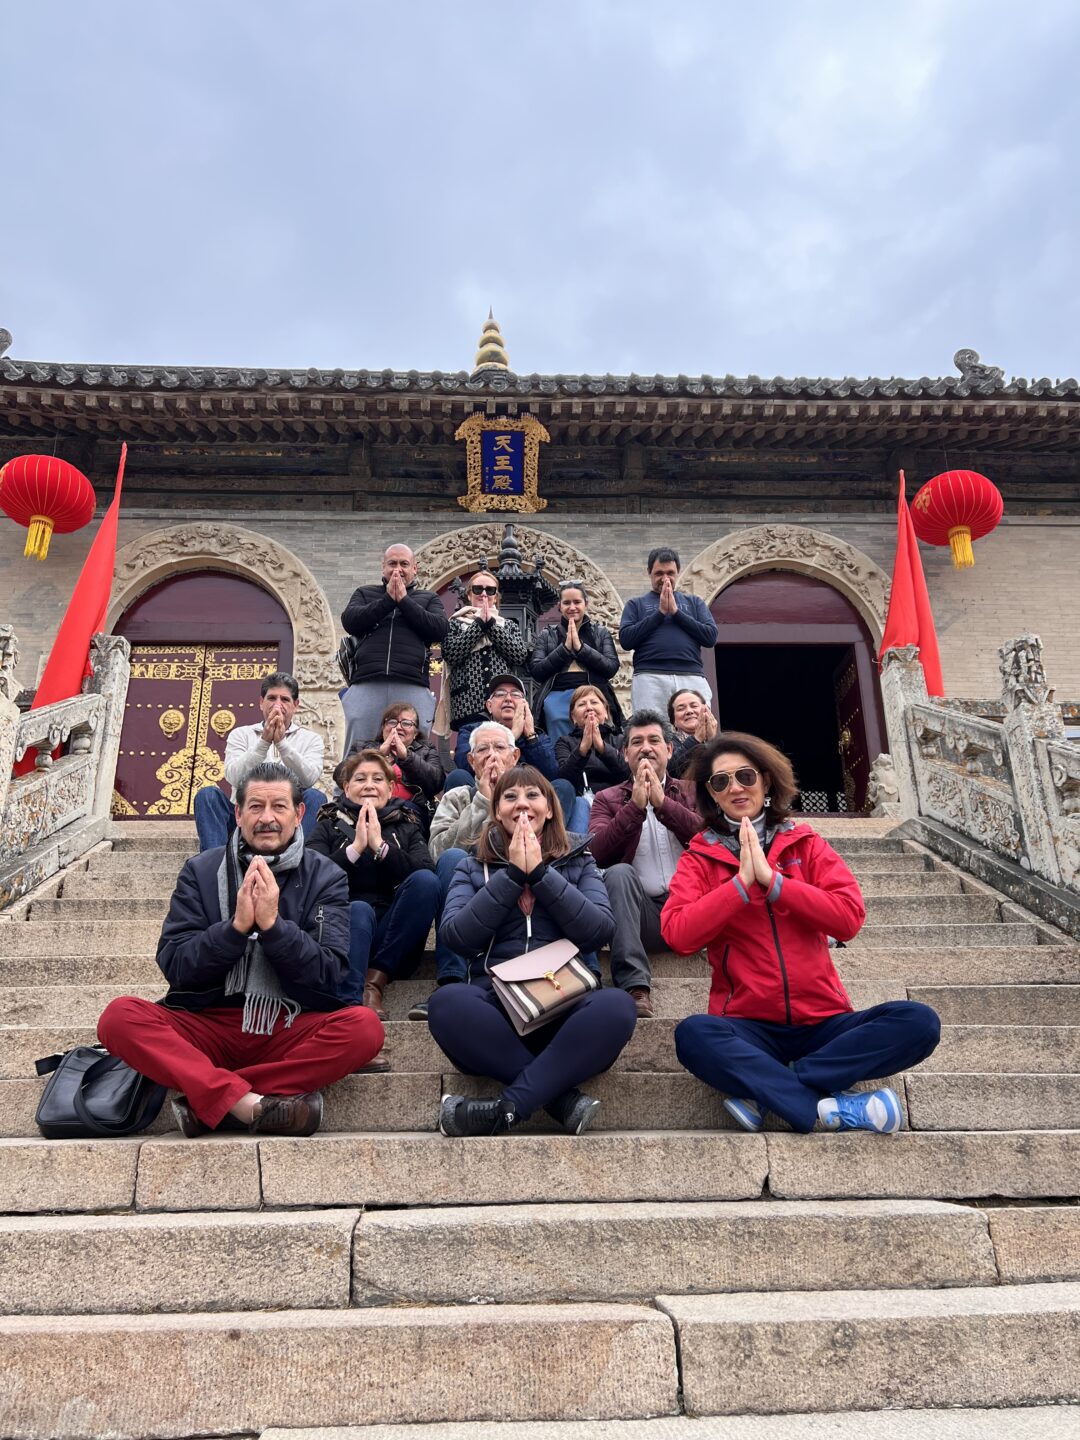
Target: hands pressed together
[
  {"x": 523, "y": 722},
  {"x": 753, "y": 867},
  {"x": 524, "y": 850},
  {"x": 591, "y": 738},
  {"x": 396, "y": 587},
  {"x": 573, "y": 639},
  {"x": 394, "y": 744},
  {"x": 647, "y": 788},
  {"x": 368, "y": 830},
  {"x": 257, "y": 898},
  {"x": 668, "y": 603},
  {"x": 274, "y": 727}
]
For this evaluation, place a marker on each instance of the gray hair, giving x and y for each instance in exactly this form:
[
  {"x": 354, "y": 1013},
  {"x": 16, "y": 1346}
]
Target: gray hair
[
  {"x": 504, "y": 731},
  {"x": 270, "y": 772},
  {"x": 642, "y": 719}
]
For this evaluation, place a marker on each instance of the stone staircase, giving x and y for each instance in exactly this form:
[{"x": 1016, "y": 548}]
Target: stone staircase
[{"x": 666, "y": 1266}]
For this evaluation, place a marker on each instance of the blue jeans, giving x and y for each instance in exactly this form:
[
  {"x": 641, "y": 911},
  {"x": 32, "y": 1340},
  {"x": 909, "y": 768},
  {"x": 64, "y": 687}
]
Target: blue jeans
[
  {"x": 557, "y": 714},
  {"x": 390, "y": 939},
  {"x": 215, "y": 815},
  {"x": 449, "y": 965},
  {"x": 788, "y": 1068}
]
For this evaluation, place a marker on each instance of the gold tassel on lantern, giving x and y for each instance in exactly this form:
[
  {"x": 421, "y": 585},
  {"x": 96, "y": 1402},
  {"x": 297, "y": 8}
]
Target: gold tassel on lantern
[
  {"x": 963, "y": 557},
  {"x": 38, "y": 536}
]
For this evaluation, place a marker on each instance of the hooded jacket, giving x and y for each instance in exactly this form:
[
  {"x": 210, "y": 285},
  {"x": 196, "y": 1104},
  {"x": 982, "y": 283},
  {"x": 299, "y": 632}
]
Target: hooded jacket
[
  {"x": 393, "y": 636},
  {"x": 374, "y": 881},
  {"x": 571, "y": 903},
  {"x": 769, "y": 953},
  {"x": 550, "y": 662}
]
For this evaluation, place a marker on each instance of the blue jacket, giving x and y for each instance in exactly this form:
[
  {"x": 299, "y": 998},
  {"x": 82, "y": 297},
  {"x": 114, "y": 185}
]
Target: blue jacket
[
  {"x": 571, "y": 904},
  {"x": 670, "y": 644},
  {"x": 308, "y": 944}
]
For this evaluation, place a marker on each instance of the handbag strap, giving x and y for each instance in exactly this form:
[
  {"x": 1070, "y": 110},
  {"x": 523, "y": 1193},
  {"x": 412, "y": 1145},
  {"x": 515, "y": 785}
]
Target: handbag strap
[{"x": 94, "y": 1122}]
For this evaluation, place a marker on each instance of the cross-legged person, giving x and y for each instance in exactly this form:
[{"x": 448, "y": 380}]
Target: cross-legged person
[
  {"x": 393, "y": 891},
  {"x": 527, "y": 885},
  {"x": 764, "y": 895},
  {"x": 255, "y": 950},
  {"x": 277, "y": 737},
  {"x": 639, "y": 830}
]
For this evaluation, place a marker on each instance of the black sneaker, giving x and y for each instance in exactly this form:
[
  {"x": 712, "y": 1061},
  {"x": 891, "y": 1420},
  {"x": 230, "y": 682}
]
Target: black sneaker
[
  {"x": 419, "y": 1010},
  {"x": 574, "y": 1111},
  {"x": 461, "y": 1115}
]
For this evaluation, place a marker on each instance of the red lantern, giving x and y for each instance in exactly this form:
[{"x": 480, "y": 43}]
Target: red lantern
[
  {"x": 45, "y": 494},
  {"x": 955, "y": 508}
]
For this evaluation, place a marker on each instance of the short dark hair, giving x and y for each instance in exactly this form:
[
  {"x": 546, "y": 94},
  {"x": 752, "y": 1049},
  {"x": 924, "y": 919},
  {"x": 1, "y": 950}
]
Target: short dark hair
[
  {"x": 270, "y": 772},
  {"x": 776, "y": 770},
  {"x": 686, "y": 690},
  {"x": 641, "y": 719},
  {"x": 665, "y": 555},
  {"x": 280, "y": 677}
]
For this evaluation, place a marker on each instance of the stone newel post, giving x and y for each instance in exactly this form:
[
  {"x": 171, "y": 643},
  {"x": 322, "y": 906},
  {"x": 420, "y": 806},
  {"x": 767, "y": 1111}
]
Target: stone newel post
[{"x": 903, "y": 684}]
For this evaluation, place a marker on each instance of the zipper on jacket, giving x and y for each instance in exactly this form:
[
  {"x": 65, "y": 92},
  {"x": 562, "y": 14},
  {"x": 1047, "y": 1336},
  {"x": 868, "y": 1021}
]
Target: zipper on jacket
[
  {"x": 319, "y": 924},
  {"x": 783, "y": 967},
  {"x": 727, "y": 977},
  {"x": 390, "y": 640}
]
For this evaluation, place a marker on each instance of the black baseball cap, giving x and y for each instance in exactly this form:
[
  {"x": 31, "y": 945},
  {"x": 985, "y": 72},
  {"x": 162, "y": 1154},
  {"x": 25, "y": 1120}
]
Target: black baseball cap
[{"x": 500, "y": 680}]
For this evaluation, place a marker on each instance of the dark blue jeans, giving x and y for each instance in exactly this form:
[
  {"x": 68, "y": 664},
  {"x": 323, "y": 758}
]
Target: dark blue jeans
[
  {"x": 391, "y": 939},
  {"x": 449, "y": 965},
  {"x": 788, "y": 1068},
  {"x": 474, "y": 1031},
  {"x": 215, "y": 815}
]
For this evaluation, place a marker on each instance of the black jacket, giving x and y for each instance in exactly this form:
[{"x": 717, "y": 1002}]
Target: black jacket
[
  {"x": 421, "y": 769},
  {"x": 308, "y": 945},
  {"x": 394, "y": 636},
  {"x": 602, "y": 770},
  {"x": 550, "y": 662},
  {"x": 369, "y": 879},
  {"x": 474, "y": 664}
]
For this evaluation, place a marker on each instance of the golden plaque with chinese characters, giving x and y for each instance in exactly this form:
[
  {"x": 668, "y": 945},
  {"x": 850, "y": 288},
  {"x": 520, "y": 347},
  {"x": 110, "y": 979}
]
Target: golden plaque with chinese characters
[{"x": 502, "y": 460}]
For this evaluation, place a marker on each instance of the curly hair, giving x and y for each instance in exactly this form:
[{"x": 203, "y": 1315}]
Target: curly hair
[{"x": 776, "y": 771}]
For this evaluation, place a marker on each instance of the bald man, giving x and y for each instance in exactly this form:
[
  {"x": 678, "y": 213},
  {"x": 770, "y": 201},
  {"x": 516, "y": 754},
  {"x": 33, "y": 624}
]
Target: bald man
[{"x": 395, "y": 623}]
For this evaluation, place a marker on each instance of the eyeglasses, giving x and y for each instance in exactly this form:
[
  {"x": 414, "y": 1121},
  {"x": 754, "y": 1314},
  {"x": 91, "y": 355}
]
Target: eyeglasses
[
  {"x": 745, "y": 775},
  {"x": 503, "y": 693},
  {"x": 404, "y": 724},
  {"x": 484, "y": 589},
  {"x": 499, "y": 747}
]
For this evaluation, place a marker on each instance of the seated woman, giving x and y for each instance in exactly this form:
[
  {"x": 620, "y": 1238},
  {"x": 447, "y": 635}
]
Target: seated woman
[
  {"x": 418, "y": 771},
  {"x": 694, "y": 724},
  {"x": 393, "y": 890},
  {"x": 526, "y": 886},
  {"x": 479, "y": 645},
  {"x": 764, "y": 895},
  {"x": 590, "y": 756},
  {"x": 573, "y": 652}
]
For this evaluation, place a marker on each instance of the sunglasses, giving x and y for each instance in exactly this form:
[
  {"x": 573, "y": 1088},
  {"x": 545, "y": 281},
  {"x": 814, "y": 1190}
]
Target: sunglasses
[
  {"x": 745, "y": 775},
  {"x": 484, "y": 589}
]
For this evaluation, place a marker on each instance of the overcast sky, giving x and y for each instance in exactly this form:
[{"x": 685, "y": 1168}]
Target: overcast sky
[{"x": 819, "y": 188}]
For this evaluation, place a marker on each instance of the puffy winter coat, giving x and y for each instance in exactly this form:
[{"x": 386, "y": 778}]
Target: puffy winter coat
[
  {"x": 551, "y": 659},
  {"x": 308, "y": 944},
  {"x": 769, "y": 953},
  {"x": 369, "y": 879},
  {"x": 394, "y": 635},
  {"x": 476, "y": 651},
  {"x": 602, "y": 768},
  {"x": 421, "y": 769},
  {"x": 571, "y": 904}
]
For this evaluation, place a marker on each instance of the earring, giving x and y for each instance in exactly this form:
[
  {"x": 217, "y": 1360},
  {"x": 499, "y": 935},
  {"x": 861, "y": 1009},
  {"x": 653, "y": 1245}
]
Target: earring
[{"x": 768, "y": 801}]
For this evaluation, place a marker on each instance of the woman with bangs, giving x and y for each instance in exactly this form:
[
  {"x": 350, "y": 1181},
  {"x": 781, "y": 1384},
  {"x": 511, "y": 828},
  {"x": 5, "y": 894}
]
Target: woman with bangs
[
  {"x": 527, "y": 885},
  {"x": 767, "y": 897}
]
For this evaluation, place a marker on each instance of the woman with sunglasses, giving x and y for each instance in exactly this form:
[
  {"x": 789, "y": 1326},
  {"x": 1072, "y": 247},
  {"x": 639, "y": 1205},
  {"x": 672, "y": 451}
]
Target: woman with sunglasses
[
  {"x": 575, "y": 651},
  {"x": 479, "y": 645},
  {"x": 764, "y": 895},
  {"x": 527, "y": 885}
]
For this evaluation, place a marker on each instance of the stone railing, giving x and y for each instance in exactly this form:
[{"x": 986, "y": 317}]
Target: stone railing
[
  {"x": 1012, "y": 786},
  {"x": 57, "y": 811}
]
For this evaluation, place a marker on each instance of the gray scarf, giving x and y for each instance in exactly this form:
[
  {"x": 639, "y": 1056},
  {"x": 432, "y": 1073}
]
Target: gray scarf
[{"x": 253, "y": 975}]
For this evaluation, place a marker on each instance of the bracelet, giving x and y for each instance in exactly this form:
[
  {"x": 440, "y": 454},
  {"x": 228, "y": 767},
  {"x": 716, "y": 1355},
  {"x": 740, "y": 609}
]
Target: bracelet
[{"x": 382, "y": 852}]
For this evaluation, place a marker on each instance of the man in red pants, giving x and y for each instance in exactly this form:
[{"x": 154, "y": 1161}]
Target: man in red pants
[{"x": 255, "y": 948}]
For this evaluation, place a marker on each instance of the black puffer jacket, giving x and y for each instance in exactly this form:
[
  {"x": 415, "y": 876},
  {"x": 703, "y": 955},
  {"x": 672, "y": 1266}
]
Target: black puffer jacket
[
  {"x": 369, "y": 879},
  {"x": 550, "y": 663},
  {"x": 476, "y": 651},
  {"x": 601, "y": 769},
  {"x": 394, "y": 636}
]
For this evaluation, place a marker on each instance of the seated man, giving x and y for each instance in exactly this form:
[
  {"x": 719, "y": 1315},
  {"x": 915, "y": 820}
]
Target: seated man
[
  {"x": 506, "y": 703},
  {"x": 277, "y": 738},
  {"x": 640, "y": 829},
  {"x": 255, "y": 948}
]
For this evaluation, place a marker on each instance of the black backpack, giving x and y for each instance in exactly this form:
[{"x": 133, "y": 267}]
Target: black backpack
[{"x": 92, "y": 1093}]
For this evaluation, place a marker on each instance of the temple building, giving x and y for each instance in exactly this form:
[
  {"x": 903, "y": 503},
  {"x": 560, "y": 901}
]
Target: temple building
[{"x": 255, "y": 500}]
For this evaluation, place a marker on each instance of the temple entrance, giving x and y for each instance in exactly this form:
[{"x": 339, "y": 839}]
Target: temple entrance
[
  {"x": 794, "y": 664},
  {"x": 200, "y": 645}
]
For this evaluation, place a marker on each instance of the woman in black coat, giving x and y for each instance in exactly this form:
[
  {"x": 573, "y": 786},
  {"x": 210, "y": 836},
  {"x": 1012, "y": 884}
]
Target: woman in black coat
[
  {"x": 393, "y": 889},
  {"x": 575, "y": 651},
  {"x": 590, "y": 757},
  {"x": 527, "y": 885},
  {"x": 418, "y": 771}
]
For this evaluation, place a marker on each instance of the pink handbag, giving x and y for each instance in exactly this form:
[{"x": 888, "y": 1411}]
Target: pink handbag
[{"x": 539, "y": 986}]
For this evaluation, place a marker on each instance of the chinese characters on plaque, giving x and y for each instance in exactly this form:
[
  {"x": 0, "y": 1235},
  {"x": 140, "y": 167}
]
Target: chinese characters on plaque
[{"x": 502, "y": 460}]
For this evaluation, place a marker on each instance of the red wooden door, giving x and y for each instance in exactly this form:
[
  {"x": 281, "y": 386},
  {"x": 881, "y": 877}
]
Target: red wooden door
[{"x": 851, "y": 732}]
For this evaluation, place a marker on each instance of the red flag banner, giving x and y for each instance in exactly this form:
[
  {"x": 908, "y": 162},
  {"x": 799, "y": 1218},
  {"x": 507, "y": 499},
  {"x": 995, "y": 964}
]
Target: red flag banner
[
  {"x": 69, "y": 659},
  {"x": 910, "y": 620}
]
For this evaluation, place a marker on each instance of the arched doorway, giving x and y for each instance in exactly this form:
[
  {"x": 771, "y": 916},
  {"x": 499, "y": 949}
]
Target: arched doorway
[
  {"x": 200, "y": 644},
  {"x": 794, "y": 664}
]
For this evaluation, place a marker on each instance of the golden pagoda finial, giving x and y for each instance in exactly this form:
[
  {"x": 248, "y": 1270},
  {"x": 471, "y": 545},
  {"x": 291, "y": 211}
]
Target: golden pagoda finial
[{"x": 492, "y": 352}]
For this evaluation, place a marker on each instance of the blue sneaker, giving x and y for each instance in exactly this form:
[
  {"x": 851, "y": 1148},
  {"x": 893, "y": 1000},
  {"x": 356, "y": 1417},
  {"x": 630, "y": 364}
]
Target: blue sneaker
[
  {"x": 862, "y": 1110},
  {"x": 746, "y": 1112}
]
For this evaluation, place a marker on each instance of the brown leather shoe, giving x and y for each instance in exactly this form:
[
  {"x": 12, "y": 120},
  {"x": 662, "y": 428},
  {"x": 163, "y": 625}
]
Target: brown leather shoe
[
  {"x": 187, "y": 1122},
  {"x": 287, "y": 1114},
  {"x": 374, "y": 985},
  {"x": 642, "y": 998},
  {"x": 381, "y": 1066}
]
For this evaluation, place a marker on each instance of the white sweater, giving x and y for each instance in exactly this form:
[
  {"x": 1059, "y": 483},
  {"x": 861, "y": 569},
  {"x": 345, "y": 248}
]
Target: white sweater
[{"x": 301, "y": 751}]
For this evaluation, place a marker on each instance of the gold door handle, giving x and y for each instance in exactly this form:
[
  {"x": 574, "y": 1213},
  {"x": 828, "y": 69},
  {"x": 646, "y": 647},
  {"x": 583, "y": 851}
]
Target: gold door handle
[{"x": 845, "y": 740}]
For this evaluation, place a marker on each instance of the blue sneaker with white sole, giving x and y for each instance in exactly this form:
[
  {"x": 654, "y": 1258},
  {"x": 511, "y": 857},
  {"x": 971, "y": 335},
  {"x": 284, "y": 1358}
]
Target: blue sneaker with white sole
[
  {"x": 877, "y": 1110},
  {"x": 746, "y": 1112}
]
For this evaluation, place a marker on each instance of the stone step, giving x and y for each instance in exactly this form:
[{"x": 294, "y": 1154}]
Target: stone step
[
  {"x": 939, "y": 964},
  {"x": 141, "y": 1376},
  {"x": 839, "y": 1350},
  {"x": 894, "y": 934},
  {"x": 992, "y": 1102},
  {"x": 1001, "y": 1004},
  {"x": 130, "y": 1264},
  {"x": 993, "y": 1049},
  {"x": 522, "y": 1253},
  {"x": 167, "y": 838},
  {"x": 138, "y": 862},
  {"x": 1036, "y": 1243},
  {"x": 1030, "y": 1422}
]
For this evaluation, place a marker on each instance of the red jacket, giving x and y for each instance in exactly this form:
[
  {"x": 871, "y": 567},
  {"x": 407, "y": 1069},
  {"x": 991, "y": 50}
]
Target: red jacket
[
  {"x": 769, "y": 955},
  {"x": 616, "y": 823}
]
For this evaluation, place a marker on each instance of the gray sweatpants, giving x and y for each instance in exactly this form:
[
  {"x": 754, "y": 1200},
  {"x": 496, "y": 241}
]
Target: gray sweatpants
[
  {"x": 364, "y": 704},
  {"x": 651, "y": 690}
]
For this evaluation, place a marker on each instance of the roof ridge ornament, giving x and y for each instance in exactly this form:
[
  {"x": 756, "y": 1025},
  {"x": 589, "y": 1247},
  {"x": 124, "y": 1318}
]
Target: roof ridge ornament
[
  {"x": 5, "y": 341},
  {"x": 974, "y": 371},
  {"x": 491, "y": 354}
]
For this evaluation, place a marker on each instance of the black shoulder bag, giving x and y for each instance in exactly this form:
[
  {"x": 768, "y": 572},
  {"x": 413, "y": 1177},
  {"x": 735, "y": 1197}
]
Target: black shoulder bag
[{"x": 92, "y": 1093}]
